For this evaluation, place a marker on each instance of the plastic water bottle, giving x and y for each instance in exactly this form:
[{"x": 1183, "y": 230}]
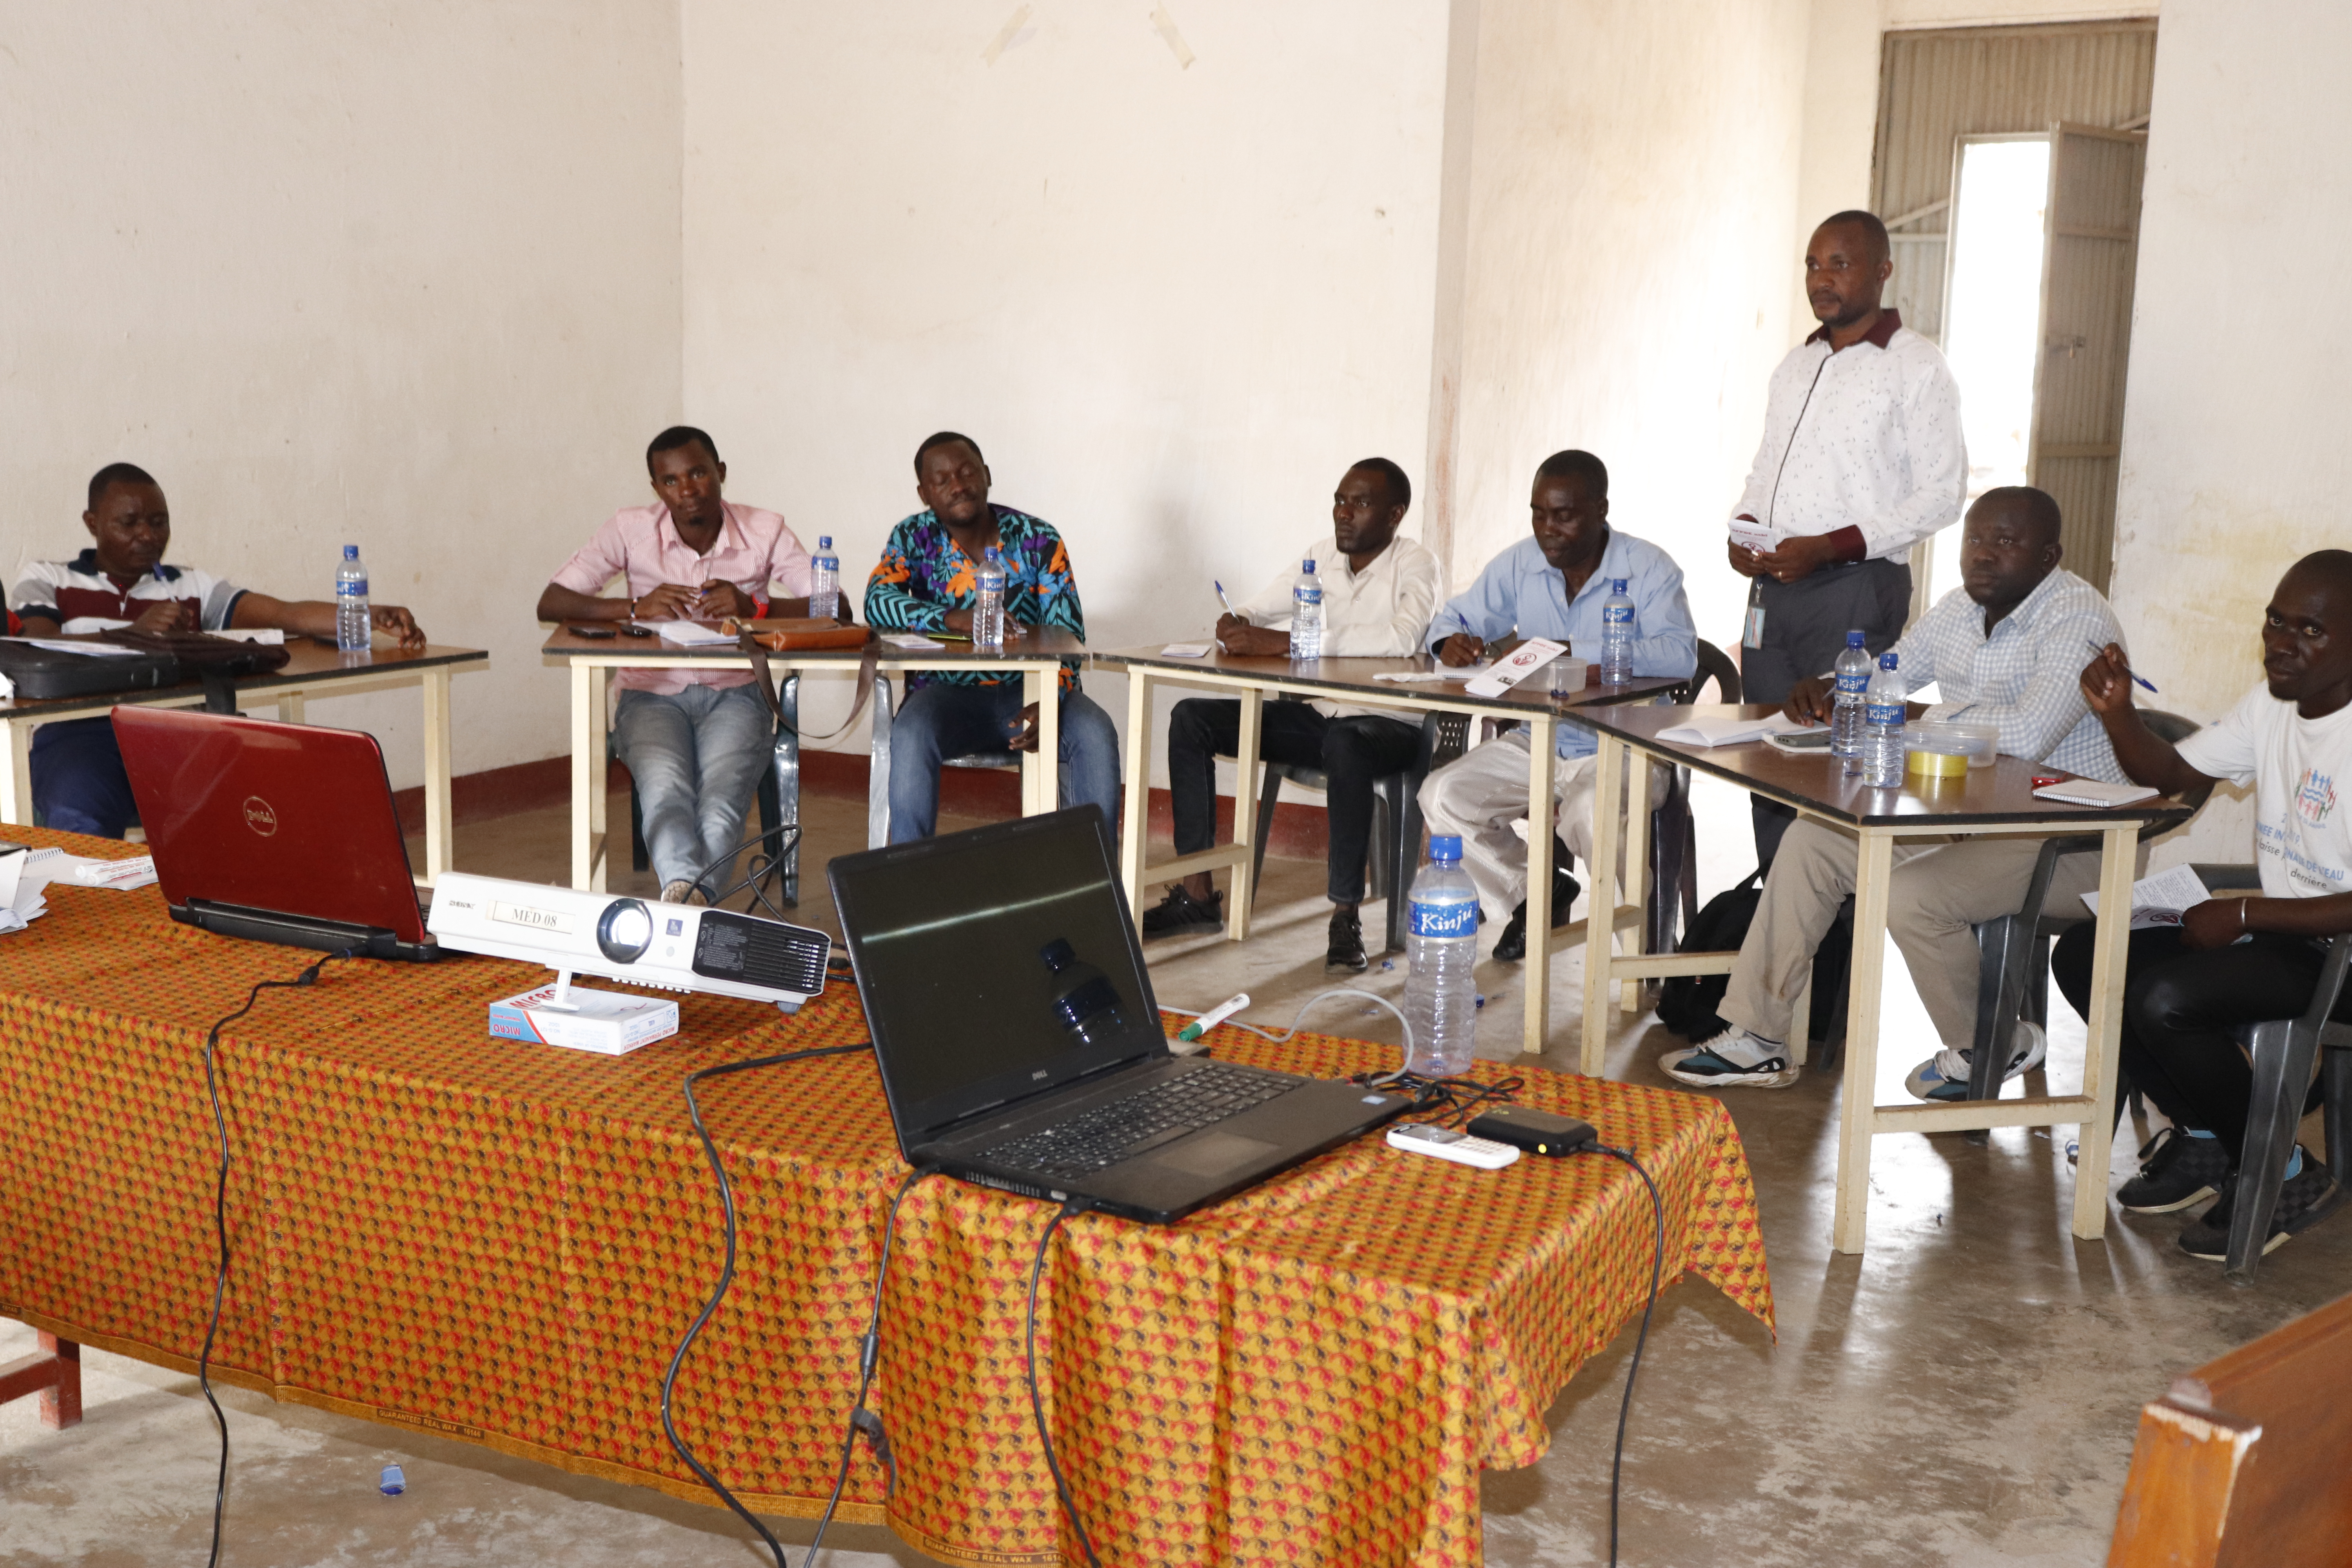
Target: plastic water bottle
[
  {"x": 1616, "y": 635},
  {"x": 1307, "y": 614},
  {"x": 1441, "y": 990},
  {"x": 824, "y": 580},
  {"x": 987, "y": 601},
  {"x": 1853, "y": 670},
  {"x": 353, "y": 633},
  {"x": 1881, "y": 727}
]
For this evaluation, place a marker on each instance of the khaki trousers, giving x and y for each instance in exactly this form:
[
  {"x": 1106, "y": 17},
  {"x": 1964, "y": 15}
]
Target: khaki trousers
[
  {"x": 1482, "y": 797},
  {"x": 1939, "y": 891}
]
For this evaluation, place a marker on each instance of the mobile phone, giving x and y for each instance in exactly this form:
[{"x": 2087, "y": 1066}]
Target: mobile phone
[
  {"x": 1446, "y": 1143},
  {"x": 598, "y": 632},
  {"x": 631, "y": 629}
]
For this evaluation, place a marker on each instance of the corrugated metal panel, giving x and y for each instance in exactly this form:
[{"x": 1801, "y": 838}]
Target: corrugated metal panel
[{"x": 1937, "y": 87}]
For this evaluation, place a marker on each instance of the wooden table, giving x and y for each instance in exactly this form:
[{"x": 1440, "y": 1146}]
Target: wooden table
[
  {"x": 1353, "y": 681},
  {"x": 1036, "y": 656},
  {"x": 1995, "y": 800},
  {"x": 314, "y": 669}
]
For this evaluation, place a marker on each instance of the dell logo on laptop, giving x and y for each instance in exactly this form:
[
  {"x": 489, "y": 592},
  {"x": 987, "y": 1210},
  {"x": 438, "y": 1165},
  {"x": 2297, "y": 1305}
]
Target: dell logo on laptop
[
  {"x": 1041, "y": 1072},
  {"x": 259, "y": 817}
]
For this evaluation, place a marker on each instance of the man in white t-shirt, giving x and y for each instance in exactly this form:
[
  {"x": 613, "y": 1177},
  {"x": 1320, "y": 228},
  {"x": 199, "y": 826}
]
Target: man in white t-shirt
[{"x": 2235, "y": 960}]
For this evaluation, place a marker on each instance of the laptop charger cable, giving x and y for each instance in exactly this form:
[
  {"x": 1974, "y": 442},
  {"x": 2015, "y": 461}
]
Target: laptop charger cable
[{"x": 1070, "y": 1209}]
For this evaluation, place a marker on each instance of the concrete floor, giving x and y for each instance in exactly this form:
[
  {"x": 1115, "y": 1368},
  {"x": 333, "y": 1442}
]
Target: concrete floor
[{"x": 1965, "y": 1394}]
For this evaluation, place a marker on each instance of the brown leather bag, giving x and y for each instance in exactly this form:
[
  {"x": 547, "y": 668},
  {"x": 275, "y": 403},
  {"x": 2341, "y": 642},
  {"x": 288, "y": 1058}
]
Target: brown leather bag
[
  {"x": 756, "y": 639},
  {"x": 797, "y": 635}
]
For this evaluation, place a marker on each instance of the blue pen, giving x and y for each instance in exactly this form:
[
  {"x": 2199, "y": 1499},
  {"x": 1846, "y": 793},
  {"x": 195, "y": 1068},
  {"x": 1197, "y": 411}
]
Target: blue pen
[
  {"x": 1219, "y": 587},
  {"x": 2136, "y": 681}
]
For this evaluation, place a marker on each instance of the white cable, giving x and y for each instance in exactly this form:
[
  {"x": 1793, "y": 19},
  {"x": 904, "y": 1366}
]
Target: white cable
[{"x": 1319, "y": 996}]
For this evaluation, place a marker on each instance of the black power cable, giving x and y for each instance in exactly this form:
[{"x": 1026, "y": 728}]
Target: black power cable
[
  {"x": 1070, "y": 1207},
  {"x": 220, "y": 1227},
  {"x": 727, "y": 1272},
  {"x": 759, "y": 871},
  {"x": 1657, "y": 1267}
]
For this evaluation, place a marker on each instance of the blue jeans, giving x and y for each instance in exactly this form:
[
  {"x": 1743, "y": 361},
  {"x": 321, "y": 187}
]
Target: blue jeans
[
  {"x": 696, "y": 755},
  {"x": 79, "y": 785},
  {"x": 941, "y": 721}
]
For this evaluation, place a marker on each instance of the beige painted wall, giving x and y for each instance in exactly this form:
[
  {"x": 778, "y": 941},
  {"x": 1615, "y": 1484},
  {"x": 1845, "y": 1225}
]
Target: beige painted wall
[
  {"x": 1632, "y": 230},
  {"x": 1174, "y": 303},
  {"x": 402, "y": 275},
  {"x": 2234, "y": 459}
]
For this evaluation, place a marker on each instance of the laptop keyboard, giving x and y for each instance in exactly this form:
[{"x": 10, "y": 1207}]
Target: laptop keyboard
[{"x": 1123, "y": 1129}]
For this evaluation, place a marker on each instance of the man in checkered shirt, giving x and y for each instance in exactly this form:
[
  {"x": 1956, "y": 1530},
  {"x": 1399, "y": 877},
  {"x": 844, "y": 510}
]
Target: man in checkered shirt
[{"x": 2006, "y": 648}]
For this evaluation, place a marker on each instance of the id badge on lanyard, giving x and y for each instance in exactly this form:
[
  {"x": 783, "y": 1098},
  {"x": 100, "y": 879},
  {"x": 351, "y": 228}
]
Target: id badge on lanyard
[{"x": 1754, "y": 635}]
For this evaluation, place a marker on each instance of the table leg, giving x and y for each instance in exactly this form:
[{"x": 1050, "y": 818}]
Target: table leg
[
  {"x": 1242, "y": 888},
  {"x": 1040, "y": 770},
  {"x": 1135, "y": 827},
  {"x": 16, "y": 773},
  {"x": 587, "y": 689},
  {"x": 1858, "y": 1098},
  {"x": 54, "y": 1371},
  {"x": 1608, "y": 765},
  {"x": 1637, "y": 867},
  {"x": 290, "y": 705},
  {"x": 1535, "y": 1011},
  {"x": 2103, "y": 1040},
  {"x": 440, "y": 848}
]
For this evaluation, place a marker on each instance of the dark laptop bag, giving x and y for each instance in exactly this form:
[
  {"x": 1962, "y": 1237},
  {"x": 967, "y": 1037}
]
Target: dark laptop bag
[{"x": 41, "y": 674}]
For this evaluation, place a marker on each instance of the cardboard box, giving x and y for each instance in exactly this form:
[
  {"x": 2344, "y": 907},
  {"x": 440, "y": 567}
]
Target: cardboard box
[{"x": 609, "y": 1023}]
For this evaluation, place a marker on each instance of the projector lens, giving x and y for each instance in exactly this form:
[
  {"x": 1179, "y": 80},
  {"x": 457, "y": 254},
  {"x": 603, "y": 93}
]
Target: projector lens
[{"x": 626, "y": 930}]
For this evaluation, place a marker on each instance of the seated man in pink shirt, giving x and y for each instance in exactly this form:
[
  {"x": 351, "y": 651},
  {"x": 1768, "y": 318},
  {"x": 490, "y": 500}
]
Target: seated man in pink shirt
[{"x": 694, "y": 739}]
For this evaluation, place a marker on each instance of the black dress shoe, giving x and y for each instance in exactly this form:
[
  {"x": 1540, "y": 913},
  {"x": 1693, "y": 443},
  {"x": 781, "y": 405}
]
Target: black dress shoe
[
  {"x": 1180, "y": 910},
  {"x": 1512, "y": 945},
  {"x": 1347, "y": 950}
]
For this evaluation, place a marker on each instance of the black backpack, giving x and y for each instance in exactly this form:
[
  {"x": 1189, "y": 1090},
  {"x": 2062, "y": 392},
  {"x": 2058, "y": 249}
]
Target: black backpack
[{"x": 1687, "y": 1001}]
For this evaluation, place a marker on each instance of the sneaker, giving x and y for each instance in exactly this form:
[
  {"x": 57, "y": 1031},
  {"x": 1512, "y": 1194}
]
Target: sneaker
[
  {"x": 2307, "y": 1198},
  {"x": 1512, "y": 945},
  {"x": 1945, "y": 1075},
  {"x": 1180, "y": 910},
  {"x": 2175, "y": 1170},
  {"x": 1347, "y": 950},
  {"x": 682, "y": 891},
  {"x": 1733, "y": 1057}
]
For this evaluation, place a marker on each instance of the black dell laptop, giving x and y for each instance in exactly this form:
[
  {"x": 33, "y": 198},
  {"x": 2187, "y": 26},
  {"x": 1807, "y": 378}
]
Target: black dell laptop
[{"x": 1019, "y": 1043}]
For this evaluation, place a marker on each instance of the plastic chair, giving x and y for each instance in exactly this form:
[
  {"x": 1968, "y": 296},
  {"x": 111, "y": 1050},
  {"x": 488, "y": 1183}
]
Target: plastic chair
[
  {"x": 1396, "y": 817},
  {"x": 779, "y": 795},
  {"x": 2013, "y": 972},
  {"x": 877, "y": 775},
  {"x": 1673, "y": 833},
  {"x": 2283, "y": 1052}
]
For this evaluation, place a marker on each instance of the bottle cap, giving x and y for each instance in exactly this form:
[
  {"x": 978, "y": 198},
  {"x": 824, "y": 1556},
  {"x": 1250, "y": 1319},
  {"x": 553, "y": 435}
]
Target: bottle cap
[
  {"x": 1444, "y": 848},
  {"x": 825, "y": 542},
  {"x": 1617, "y": 584},
  {"x": 1307, "y": 567},
  {"x": 1886, "y": 659},
  {"x": 1852, "y": 639},
  {"x": 350, "y": 552}
]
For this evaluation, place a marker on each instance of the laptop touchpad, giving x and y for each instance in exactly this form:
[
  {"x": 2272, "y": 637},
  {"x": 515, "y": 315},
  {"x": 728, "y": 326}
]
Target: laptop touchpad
[{"x": 1213, "y": 1153}]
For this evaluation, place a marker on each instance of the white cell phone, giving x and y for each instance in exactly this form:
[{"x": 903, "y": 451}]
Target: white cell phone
[{"x": 1446, "y": 1143}]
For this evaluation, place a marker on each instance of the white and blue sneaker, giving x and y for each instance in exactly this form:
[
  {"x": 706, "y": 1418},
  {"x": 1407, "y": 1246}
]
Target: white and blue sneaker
[
  {"x": 1733, "y": 1058},
  {"x": 1945, "y": 1075}
]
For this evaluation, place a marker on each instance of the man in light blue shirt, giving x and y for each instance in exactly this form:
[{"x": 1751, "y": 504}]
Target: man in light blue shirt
[{"x": 1548, "y": 585}]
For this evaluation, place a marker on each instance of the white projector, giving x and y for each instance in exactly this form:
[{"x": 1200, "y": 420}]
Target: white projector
[{"x": 674, "y": 947}]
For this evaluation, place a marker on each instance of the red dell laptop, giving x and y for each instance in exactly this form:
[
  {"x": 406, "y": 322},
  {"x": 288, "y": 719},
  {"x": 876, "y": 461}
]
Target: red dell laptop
[{"x": 279, "y": 833}]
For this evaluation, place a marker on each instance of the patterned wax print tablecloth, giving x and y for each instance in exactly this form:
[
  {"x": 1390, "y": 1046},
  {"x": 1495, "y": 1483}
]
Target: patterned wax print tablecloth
[{"x": 503, "y": 1242}]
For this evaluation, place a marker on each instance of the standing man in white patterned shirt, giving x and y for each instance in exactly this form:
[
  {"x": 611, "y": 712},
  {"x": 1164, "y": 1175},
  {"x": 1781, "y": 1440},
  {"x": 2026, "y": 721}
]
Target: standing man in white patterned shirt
[
  {"x": 1378, "y": 592},
  {"x": 2005, "y": 648},
  {"x": 1861, "y": 459}
]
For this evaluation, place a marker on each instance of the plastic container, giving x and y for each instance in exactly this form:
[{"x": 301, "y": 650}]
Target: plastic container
[
  {"x": 353, "y": 631},
  {"x": 1616, "y": 635},
  {"x": 987, "y": 601},
  {"x": 1441, "y": 990},
  {"x": 1979, "y": 743},
  {"x": 1307, "y": 614},
  {"x": 824, "y": 580},
  {"x": 1881, "y": 727},
  {"x": 1852, "y": 673}
]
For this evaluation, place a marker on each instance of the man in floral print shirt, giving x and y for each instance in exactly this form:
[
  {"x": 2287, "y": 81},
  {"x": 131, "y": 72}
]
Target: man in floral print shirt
[{"x": 924, "y": 583}]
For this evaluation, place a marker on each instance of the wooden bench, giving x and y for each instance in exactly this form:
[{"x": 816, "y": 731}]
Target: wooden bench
[
  {"x": 2247, "y": 1461},
  {"x": 53, "y": 1371}
]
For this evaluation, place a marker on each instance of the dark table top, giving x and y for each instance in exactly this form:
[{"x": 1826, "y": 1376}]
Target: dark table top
[
  {"x": 1036, "y": 642},
  {"x": 310, "y": 663},
  {"x": 2001, "y": 793},
  {"x": 1353, "y": 678}
]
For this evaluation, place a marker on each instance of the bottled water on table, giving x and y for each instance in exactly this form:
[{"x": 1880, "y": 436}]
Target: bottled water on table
[
  {"x": 1307, "y": 614},
  {"x": 1441, "y": 993},
  {"x": 987, "y": 601},
  {"x": 1881, "y": 727},
  {"x": 1616, "y": 635},
  {"x": 352, "y": 631},
  {"x": 825, "y": 579},
  {"x": 1854, "y": 671}
]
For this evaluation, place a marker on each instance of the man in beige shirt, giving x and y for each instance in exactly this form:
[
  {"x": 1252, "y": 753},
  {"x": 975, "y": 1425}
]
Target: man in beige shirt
[{"x": 1379, "y": 592}]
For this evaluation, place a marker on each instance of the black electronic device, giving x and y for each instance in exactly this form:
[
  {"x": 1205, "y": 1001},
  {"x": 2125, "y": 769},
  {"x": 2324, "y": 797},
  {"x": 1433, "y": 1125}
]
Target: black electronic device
[
  {"x": 1537, "y": 1132},
  {"x": 1019, "y": 1043},
  {"x": 594, "y": 633}
]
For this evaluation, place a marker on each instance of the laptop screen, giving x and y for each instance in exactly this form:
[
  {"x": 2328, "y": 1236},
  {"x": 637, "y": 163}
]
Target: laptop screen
[{"x": 995, "y": 964}]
